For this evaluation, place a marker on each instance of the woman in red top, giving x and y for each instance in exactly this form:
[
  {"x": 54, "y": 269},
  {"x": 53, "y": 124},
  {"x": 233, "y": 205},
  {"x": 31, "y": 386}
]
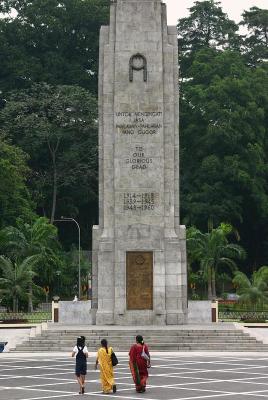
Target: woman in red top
[{"x": 139, "y": 362}]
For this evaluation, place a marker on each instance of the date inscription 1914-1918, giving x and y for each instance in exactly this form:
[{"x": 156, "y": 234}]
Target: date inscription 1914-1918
[{"x": 140, "y": 201}]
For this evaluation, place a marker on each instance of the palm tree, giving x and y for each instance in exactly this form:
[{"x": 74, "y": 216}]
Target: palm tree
[
  {"x": 40, "y": 239},
  {"x": 252, "y": 291},
  {"x": 213, "y": 251},
  {"x": 16, "y": 278}
]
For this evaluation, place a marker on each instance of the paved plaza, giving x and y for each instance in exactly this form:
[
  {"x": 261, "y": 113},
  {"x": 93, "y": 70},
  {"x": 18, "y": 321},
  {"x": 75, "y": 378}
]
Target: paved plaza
[{"x": 172, "y": 377}]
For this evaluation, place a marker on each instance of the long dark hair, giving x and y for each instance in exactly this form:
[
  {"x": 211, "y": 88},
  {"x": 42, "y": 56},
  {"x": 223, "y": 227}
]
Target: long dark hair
[
  {"x": 139, "y": 339},
  {"x": 104, "y": 344}
]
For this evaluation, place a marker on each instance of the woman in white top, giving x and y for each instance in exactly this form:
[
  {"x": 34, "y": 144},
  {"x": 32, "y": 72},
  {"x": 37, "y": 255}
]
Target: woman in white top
[{"x": 81, "y": 353}]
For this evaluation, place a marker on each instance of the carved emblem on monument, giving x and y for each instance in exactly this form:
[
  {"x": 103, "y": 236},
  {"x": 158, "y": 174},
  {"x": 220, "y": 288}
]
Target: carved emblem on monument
[
  {"x": 140, "y": 260},
  {"x": 137, "y": 63}
]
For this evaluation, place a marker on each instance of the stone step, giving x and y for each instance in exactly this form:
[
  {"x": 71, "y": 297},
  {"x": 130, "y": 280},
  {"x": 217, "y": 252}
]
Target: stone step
[
  {"x": 161, "y": 349},
  {"x": 159, "y": 332},
  {"x": 157, "y": 339},
  {"x": 132, "y": 334},
  {"x": 115, "y": 335},
  {"x": 151, "y": 346},
  {"x": 71, "y": 341},
  {"x": 112, "y": 328}
]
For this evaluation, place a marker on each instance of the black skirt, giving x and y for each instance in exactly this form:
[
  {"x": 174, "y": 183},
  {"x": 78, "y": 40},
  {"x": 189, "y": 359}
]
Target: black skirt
[{"x": 80, "y": 368}]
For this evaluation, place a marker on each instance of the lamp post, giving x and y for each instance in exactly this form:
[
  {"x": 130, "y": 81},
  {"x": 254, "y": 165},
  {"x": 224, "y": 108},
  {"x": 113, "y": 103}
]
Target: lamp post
[
  {"x": 79, "y": 254},
  {"x": 66, "y": 219}
]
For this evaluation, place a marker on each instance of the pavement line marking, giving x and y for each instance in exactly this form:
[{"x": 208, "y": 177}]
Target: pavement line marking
[
  {"x": 177, "y": 387},
  {"x": 64, "y": 394},
  {"x": 254, "y": 392},
  {"x": 192, "y": 389},
  {"x": 44, "y": 376},
  {"x": 233, "y": 370},
  {"x": 199, "y": 397},
  {"x": 205, "y": 380},
  {"x": 114, "y": 396},
  {"x": 211, "y": 380},
  {"x": 210, "y": 370},
  {"x": 50, "y": 397},
  {"x": 36, "y": 367},
  {"x": 217, "y": 362},
  {"x": 142, "y": 398},
  {"x": 40, "y": 390}
]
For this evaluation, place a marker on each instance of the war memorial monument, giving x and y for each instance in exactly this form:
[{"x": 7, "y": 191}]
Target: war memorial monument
[{"x": 139, "y": 272}]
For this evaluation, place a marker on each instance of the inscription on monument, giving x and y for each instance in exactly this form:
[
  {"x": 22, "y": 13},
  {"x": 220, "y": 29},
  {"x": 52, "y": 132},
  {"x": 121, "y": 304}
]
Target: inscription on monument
[
  {"x": 139, "y": 123},
  {"x": 139, "y": 159},
  {"x": 139, "y": 276},
  {"x": 141, "y": 201}
]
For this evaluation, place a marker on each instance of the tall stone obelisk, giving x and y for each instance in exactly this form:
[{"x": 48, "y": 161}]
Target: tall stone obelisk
[{"x": 139, "y": 252}]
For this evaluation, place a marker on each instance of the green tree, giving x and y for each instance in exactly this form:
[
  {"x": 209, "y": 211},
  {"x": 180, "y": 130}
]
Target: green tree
[
  {"x": 14, "y": 196},
  {"x": 223, "y": 146},
  {"x": 51, "y": 41},
  {"x": 252, "y": 291},
  {"x": 214, "y": 251},
  {"x": 38, "y": 240},
  {"x": 256, "y": 42},
  {"x": 206, "y": 27},
  {"x": 223, "y": 124},
  {"x": 16, "y": 277},
  {"x": 57, "y": 127}
]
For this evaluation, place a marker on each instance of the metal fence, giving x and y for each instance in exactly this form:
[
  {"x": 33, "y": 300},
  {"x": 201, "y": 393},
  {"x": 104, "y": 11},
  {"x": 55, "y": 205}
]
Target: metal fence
[
  {"x": 34, "y": 317},
  {"x": 243, "y": 315}
]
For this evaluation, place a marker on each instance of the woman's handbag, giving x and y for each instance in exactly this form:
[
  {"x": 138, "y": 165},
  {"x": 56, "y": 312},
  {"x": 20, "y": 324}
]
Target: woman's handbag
[
  {"x": 145, "y": 355},
  {"x": 114, "y": 359}
]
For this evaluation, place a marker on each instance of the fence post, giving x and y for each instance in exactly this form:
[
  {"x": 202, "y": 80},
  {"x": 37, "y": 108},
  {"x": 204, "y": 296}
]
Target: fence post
[
  {"x": 55, "y": 309},
  {"x": 214, "y": 311}
]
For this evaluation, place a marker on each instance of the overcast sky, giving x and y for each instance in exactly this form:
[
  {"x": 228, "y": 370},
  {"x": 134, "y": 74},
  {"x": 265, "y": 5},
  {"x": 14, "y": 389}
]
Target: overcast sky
[{"x": 234, "y": 8}]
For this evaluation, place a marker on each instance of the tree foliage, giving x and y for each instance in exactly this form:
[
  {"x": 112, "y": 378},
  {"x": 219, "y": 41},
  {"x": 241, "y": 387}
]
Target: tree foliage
[
  {"x": 51, "y": 41},
  {"x": 256, "y": 42},
  {"x": 206, "y": 27},
  {"x": 56, "y": 126},
  {"x": 15, "y": 279},
  {"x": 14, "y": 195},
  {"x": 223, "y": 128},
  {"x": 37, "y": 241},
  {"x": 213, "y": 251},
  {"x": 252, "y": 291}
]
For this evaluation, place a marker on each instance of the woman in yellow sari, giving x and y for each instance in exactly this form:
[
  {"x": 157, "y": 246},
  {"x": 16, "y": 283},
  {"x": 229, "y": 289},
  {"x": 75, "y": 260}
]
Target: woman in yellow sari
[{"x": 106, "y": 369}]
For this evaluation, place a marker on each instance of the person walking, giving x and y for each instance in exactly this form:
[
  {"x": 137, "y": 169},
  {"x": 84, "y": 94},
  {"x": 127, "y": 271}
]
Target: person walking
[
  {"x": 139, "y": 362},
  {"x": 104, "y": 359},
  {"x": 81, "y": 353}
]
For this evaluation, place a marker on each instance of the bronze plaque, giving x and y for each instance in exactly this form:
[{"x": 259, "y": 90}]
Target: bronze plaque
[{"x": 139, "y": 276}]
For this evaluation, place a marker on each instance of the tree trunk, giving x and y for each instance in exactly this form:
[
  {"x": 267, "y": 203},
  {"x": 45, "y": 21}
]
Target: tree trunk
[
  {"x": 53, "y": 151},
  {"x": 213, "y": 280},
  {"x": 30, "y": 302},
  {"x": 14, "y": 303},
  {"x": 209, "y": 284},
  {"x": 55, "y": 188}
]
